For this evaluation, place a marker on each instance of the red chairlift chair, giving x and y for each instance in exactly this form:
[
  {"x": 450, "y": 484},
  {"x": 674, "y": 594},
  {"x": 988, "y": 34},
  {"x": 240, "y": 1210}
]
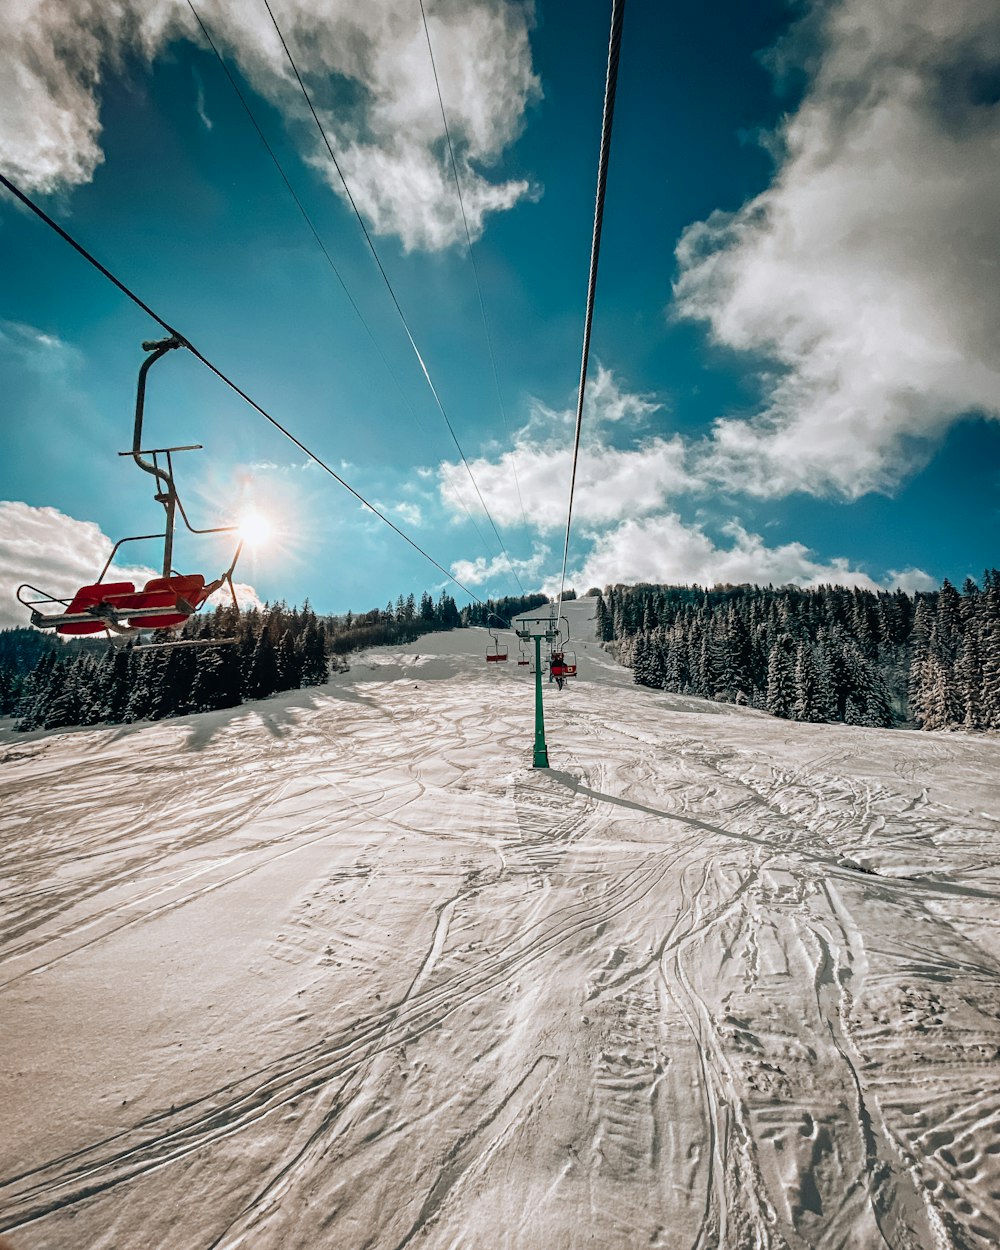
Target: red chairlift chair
[
  {"x": 496, "y": 651},
  {"x": 164, "y": 602}
]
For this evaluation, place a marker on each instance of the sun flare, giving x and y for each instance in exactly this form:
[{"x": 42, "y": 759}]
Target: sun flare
[{"x": 255, "y": 529}]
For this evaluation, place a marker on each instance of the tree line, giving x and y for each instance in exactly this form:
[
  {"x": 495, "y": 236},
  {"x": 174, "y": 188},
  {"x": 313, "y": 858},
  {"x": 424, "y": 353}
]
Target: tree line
[
  {"x": 251, "y": 654},
  {"x": 826, "y": 654},
  {"x": 505, "y": 608}
]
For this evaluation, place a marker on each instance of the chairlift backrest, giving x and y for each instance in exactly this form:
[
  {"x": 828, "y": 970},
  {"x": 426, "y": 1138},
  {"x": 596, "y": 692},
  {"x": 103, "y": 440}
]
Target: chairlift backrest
[{"x": 86, "y": 599}]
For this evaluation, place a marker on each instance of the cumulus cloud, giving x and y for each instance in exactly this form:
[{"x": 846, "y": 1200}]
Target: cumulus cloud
[
  {"x": 867, "y": 270},
  {"x": 58, "y": 554},
  {"x": 409, "y": 513},
  {"x": 481, "y": 572},
  {"x": 612, "y": 482},
  {"x": 366, "y": 66},
  {"x": 626, "y": 506},
  {"x": 666, "y": 549}
]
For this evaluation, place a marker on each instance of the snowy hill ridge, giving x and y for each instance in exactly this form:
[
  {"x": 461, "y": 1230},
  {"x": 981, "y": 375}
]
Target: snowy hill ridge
[{"x": 339, "y": 968}]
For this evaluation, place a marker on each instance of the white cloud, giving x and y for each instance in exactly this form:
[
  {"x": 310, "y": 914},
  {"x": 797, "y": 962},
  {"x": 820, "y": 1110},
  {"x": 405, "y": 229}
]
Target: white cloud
[
  {"x": 34, "y": 350},
  {"x": 58, "y": 554},
  {"x": 867, "y": 270},
  {"x": 367, "y": 69},
  {"x": 203, "y": 116},
  {"x": 612, "y": 482},
  {"x": 409, "y": 513},
  {"x": 666, "y": 549},
  {"x": 246, "y": 596},
  {"x": 910, "y": 580},
  {"x": 480, "y": 572},
  {"x": 626, "y": 507}
]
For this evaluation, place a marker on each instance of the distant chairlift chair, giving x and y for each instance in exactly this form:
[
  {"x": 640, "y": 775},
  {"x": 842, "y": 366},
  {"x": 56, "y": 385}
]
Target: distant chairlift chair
[{"x": 495, "y": 651}]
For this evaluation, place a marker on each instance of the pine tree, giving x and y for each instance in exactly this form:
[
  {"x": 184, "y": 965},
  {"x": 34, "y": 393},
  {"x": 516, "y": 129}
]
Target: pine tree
[
  {"x": 118, "y": 686},
  {"x": 780, "y": 679},
  {"x": 812, "y": 698},
  {"x": 30, "y": 710},
  {"x": 936, "y": 707},
  {"x": 644, "y": 667},
  {"x": 262, "y": 678},
  {"x": 969, "y": 678},
  {"x": 10, "y": 691},
  {"x": 62, "y": 702},
  {"x": 216, "y": 681},
  {"x": 172, "y": 693},
  {"x": 989, "y": 699},
  {"x": 948, "y": 618},
  {"x": 313, "y": 659},
  {"x": 146, "y": 678},
  {"x": 736, "y": 652},
  {"x": 868, "y": 701},
  {"x": 289, "y": 667}
]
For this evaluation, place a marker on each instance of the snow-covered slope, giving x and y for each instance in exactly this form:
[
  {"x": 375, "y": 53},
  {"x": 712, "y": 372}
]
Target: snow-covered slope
[{"x": 340, "y": 969}]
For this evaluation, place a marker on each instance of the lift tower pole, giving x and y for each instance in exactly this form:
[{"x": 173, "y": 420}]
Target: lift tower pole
[{"x": 537, "y": 628}]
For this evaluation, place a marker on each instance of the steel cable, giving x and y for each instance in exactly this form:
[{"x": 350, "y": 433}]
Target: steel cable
[
  {"x": 611, "y": 84},
  {"x": 389, "y": 288},
  {"x": 160, "y": 321}
]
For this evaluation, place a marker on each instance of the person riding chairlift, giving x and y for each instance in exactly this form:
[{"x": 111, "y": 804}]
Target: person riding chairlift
[{"x": 557, "y": 669}]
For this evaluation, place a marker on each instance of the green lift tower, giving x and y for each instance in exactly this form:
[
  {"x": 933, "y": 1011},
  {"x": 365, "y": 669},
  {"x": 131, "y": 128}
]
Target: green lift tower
[{"x": 537, "y": 629}]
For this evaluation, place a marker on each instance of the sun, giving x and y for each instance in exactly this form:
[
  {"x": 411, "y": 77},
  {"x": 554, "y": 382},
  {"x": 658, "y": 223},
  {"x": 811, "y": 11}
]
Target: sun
[{"x": 255, "y": 529}]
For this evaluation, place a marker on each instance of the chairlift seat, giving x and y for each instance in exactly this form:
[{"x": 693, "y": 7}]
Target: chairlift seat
[
  {"x": 86, "y": 599},
  {"x": 182, "y": 595}
]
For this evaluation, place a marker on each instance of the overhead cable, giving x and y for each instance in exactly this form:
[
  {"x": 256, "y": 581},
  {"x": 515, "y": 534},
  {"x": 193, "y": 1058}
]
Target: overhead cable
[
  {"x": 389, "y": 288},
  {"x": 284, "y": 177},
  {"x": 475, "y": 269},
  {"x": 127, "y": 291},
  {"x": 611, "y": 83},
  {"x": 315, "y": 233}
]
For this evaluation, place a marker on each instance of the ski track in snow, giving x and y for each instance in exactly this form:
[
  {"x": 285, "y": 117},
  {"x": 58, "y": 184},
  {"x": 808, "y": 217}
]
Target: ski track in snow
[{"x": 340, "y": 969}]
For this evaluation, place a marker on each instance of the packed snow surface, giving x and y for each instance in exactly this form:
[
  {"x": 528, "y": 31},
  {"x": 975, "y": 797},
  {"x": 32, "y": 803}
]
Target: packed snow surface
[{"x": 340, "y": 969}]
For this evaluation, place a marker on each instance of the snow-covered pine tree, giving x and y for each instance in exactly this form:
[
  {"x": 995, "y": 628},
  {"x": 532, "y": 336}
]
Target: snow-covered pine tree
[
  {"x": 63, "y": 703},
  {"x": 262, "y": 679},
  {"x": 121, "y": 667},
  {"x": 289, "y": 667},
  {"x": 172, "y": 693},
  {"x": 780, "y": 678},
  {"x": 868, "y": 701},
  {"x": 710, "y": 666},
  {"x": 811, "y": 698},
  {"x": 10, "y": 691},
  {"x": 969, "y": 677},
  {"x": 736, "y": 654},
  {"x": 948, "y": 617},
  {"x": 644, "y": 668},
  {"x": 988, "y": 618},
  {"x": 675, "y": 667},
  {"x": 313, "y": 658},
  {"x": 146, "y": 677},
  {"x": 35, "y": 693}
]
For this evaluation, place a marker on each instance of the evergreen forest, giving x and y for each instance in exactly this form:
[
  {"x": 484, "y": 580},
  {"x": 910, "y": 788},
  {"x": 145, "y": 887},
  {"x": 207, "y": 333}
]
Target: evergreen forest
[
  {"x": 49, "y": 684},
  {"x": 879, "y": 658}
]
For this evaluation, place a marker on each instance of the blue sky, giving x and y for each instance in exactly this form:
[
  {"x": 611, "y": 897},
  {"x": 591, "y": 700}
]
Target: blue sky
[{"x": 794, "y": 369}]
